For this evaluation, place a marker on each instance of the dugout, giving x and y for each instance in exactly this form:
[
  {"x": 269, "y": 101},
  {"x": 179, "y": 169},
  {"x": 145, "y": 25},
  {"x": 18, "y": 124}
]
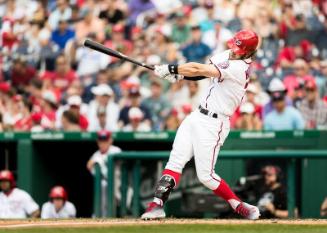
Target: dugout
[{"x": 46, "y": 159}]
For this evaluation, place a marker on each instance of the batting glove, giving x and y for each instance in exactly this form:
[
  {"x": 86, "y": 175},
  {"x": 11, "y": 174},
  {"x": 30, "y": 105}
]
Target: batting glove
[{"x": 162, "y": 71}]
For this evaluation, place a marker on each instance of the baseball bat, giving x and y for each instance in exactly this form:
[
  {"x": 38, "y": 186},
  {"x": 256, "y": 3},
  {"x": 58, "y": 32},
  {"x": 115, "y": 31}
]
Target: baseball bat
[{"x": 103, "y": 49}]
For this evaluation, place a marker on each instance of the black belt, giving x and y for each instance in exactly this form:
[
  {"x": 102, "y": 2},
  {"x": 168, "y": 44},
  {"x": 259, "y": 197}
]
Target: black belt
[{"x": 207, "y": 112}]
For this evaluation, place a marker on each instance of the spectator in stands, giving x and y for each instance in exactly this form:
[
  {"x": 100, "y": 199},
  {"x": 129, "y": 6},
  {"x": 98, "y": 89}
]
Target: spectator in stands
[
  {"x": 196, "y": 50},
  {"x": 62, "y": 12},
  {"x": 217, "y": 37},
  {"x": 136, "y": 122},
  {"x": 100, "y": 157},
  {"x": 70, "y": 121},
  {"x": 134, "y": 100},
  {"x": 157, "y": 104},
  {"x": 314, "y": 110},
  {"x": 272, "y": 197},
  {"x": 181, "y": 30},
  {"x": 62, "y": 34},
  {"x": 1, "y": 123},
  {"x": 36, "y": 122},
  {"x": 62, "y": 77},
  {"x": 248, "y": 119},
  {"x": 275, "y": 85},
  {"x": 172, "y": 121},
  {"x": 21, "y": 73},
  {"x": 112, "y": 13},
  {"x": 74, "y": 103},
  {"x": 49, "y": 105},
  {"x": 322, "y": 79},
  {"x": 89, "y": 61},
  {"x": 58, "y": 206},
  {"x": 294, "y": 82},
  {"x": 323, "y": 209},
  {"x": 89, "y": 24},
  {"x": 283, "y": 117},
  {"x": 118, "y": 42},
  {"x": 194, "y": 94},
  {"x": 104, "y": 98},
  {"x": 15, "y": 202}
]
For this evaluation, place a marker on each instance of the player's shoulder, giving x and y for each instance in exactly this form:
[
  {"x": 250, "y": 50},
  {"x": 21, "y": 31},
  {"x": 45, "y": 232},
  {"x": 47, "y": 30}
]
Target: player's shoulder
[
  {"x": 47, "y": 205},
  {"x": 69, "y": 205},
  {"x": 114, "y": 149},
  {"x": 21, "y": 193}
]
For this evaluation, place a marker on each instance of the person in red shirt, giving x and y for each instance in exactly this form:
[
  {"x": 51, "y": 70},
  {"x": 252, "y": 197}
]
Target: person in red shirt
[
  {"x": 118, "y": 42},
  {"x": 293, "y": 82},
  {"x": 62, "y": 77},
  {"x": 21, "y": 73},
  {"x": 23, "y": 123},
  {"x": 74, "y": 103}
]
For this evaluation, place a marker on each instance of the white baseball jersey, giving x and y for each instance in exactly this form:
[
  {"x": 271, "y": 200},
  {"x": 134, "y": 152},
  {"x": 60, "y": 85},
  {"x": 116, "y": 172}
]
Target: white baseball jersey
[
  {"x": 226, "y": 92},
  {"x": 49, "y": 211},
  {"x": 201, "y": 136},
  {"x": 18, "y": 204},
  {"x": 101, "y": 159}
]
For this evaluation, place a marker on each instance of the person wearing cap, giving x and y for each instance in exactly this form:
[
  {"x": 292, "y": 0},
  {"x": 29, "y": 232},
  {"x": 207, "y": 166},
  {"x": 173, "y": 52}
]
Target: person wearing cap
[
  {"x": 15, "y": 203},
  {"x": 272, "y": 196},
  {"x": 248, "y": 120},
  {"x": 283, "y": 117},
  {"x": 158, "y": 105},
  {"x": 312, "y": 108},
  {"x": 104, "y": 98},
  {"x": 196, "y": 50},
  {"x": 134, "y": 100},
  {"x": 74, "y": 105},
  {"x": 275, "y": 85},
  {"x": 58, "y": 206},
  {"x": 136, "y": 123},
  {"x": 49, "y": 106},
  {"x": 105, "y": 149}
]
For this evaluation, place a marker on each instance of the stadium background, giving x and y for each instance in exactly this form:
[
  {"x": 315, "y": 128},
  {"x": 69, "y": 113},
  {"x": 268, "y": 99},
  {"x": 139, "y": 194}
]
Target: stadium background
[{"x": 42, "y": 68}]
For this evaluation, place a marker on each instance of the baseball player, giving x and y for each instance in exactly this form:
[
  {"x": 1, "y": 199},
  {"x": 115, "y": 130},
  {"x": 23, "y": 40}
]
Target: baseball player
[
  {"x": 14, "y": 202},
  {"x": 58, "y": 206},
  {"x": 204, "y": 131}
]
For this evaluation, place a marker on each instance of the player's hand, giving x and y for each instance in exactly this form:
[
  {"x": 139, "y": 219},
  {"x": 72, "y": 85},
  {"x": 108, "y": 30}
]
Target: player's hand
[
  {"x": 270, "y": 207},
  {"x": 162, "y": 71}
]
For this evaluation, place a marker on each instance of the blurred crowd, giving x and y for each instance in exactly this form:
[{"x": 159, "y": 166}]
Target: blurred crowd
[{"x": 49, "y": 81}]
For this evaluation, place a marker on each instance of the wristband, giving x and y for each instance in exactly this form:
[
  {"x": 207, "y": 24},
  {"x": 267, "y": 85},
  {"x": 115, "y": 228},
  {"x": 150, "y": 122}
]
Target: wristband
[{"x": 173, "y": 69}]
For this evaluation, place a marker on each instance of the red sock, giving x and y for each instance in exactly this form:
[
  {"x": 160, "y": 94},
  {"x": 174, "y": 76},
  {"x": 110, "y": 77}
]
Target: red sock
[
  {"x": 225, "y": 192},
  {"x": 173, "y": 174}
]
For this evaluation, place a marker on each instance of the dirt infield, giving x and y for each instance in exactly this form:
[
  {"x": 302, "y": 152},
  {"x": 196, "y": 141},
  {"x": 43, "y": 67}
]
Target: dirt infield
[{"x": 76, "y": 223}]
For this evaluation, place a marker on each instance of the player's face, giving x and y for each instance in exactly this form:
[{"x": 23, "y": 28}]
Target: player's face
[
  {"x": 104, "y": 145},
  {"x": 5, "y": 185},
  {"x": 58, "y": 203},
  {"x": 270, "y": 178}
]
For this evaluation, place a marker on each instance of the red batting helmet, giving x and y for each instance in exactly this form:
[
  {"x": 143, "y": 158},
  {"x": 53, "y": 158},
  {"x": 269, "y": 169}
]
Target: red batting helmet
[
  {"x": 244, "y": 42},
  {"x": 7, "y": 175},
  {"x": 58, "y": 192}
]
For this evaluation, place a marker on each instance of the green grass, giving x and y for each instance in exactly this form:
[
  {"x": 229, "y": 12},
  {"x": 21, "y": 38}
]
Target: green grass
[{"x": 185, "y": 228}]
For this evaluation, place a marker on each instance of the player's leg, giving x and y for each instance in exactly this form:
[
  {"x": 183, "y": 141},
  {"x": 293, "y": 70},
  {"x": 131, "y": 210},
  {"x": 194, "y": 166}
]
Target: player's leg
[
  {"x": 210, "y": 139},
  {"x": 181, "y": 153}
]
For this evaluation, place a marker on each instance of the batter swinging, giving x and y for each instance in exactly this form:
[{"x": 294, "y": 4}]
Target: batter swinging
[{"x": 204, "y": 131}]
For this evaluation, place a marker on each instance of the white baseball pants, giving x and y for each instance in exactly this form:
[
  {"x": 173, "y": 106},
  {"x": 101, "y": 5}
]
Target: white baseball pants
[{"x": 200, "y": 136}]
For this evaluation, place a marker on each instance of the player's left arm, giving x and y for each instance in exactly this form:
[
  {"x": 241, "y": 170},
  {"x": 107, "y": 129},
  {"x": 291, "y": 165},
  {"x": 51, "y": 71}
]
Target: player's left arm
[
  {"x": 193, "y": 69},
  {"x": 190, "y": 71}
]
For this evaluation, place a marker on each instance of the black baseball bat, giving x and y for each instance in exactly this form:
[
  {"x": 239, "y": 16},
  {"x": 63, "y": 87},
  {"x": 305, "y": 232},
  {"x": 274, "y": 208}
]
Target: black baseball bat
[{"x": 103, "y": 49}]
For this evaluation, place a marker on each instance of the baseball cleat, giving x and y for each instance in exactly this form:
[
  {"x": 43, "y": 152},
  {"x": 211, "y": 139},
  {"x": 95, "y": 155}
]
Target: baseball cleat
[
  {"x": 248, "y": 211},
  {"x": 154, "y": 211}
]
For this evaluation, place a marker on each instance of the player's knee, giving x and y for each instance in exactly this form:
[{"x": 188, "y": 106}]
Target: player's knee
[{"x": 209, "y": 180}]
